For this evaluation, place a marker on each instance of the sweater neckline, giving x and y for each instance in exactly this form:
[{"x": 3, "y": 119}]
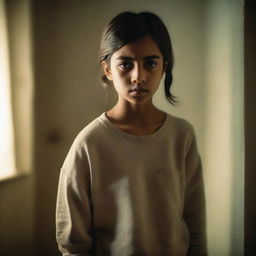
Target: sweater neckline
[{"x": 134, "y": 138}]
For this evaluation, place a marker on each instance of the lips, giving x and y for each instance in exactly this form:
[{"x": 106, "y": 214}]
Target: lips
[{"x": 138, "y": 90}]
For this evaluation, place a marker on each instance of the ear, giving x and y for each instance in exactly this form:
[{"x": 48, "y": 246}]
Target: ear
[
  {"x": 107, "y": 70},
  {"x": 164, "y": 67}
]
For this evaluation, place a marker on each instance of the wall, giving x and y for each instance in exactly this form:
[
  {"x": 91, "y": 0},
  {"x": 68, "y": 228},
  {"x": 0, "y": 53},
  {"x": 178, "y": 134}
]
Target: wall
[{"x": 224, "y": 137}]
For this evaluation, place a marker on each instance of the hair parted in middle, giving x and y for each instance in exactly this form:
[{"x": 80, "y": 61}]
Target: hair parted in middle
[{"x": 128, "y": 27}]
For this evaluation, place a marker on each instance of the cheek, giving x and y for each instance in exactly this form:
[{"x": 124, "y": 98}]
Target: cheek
[
  {"x": 120, "y": 76},
  {"x": 119, "y": 81},
  {"x": 156, "y": 81},
  {"x": 157, "y": 76}
]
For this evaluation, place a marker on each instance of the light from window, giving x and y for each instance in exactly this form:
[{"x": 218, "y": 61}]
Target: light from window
[{"x": 7, "y": 156}]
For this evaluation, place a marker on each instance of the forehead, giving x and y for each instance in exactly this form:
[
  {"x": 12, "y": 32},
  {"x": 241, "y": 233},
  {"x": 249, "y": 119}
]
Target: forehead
[{"x": 143, "y": 47}]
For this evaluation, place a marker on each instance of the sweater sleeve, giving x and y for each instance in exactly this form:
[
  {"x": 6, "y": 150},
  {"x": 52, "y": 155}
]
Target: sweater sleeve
[
  {"x": 73, "y": 207},
  {"x": 194, "y": 208}
]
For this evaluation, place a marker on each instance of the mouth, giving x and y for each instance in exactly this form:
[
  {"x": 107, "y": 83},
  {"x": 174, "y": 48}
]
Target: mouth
[{"x": 138, "y": 90}]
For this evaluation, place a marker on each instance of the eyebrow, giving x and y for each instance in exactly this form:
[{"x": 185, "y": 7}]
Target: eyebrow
[{"x": 144, "y": 58}]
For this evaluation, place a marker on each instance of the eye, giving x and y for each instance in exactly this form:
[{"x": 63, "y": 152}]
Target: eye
[
  {"x": 125, "y": 65},
  {"x": 150, "y": 64}
]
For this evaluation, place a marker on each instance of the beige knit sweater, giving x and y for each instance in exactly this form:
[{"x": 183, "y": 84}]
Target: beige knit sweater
[{"x": 124, "y": 195}]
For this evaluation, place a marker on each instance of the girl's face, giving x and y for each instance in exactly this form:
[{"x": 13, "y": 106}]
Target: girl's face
[{"x": 136, "y": 70}]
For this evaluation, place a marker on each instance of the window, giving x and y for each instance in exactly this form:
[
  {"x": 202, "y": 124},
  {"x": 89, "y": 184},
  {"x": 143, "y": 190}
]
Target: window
[
  {"x": 7, "y": 155},
  {"x": 16, "y": 89}
]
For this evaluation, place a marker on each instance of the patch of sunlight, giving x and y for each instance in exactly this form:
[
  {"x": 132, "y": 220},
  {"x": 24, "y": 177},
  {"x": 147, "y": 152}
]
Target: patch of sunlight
[
  {"x": 7, "y": 159},
  {"x": 122, "y": 244}
]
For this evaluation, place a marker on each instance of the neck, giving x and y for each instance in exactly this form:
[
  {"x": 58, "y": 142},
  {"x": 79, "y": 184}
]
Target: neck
[{"x": 125, "y": 112}]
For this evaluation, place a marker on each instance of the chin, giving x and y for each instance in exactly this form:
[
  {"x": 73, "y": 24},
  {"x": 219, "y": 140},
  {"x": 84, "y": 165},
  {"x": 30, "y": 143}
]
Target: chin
[{"x": 139, "y": 100}]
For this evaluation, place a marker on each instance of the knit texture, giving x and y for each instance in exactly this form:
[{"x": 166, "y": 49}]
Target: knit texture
[{"x": 124, "y": 195}]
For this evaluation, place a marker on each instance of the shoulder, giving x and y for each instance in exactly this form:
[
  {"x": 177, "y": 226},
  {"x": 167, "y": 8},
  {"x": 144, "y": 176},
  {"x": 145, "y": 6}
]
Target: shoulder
[
  {"x": 77, "y": 156},
  {"x": 87, "y": 136},
  {"x": 90, "y": 132},
  {"x": 180, "y": 126},
  {"x": 180, "y": 132},
  {"x": 183, "y": 134}
]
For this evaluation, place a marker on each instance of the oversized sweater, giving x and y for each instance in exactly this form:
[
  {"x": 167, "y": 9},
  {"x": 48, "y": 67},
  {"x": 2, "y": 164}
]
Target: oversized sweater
[{"x": 126, "y": 195}]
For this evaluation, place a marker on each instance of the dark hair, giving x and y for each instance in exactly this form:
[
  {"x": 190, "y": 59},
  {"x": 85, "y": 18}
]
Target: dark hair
[{"x": 127, "y": 27}]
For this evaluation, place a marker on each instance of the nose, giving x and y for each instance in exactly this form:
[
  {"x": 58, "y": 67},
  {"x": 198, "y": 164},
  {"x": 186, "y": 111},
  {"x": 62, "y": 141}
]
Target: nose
[{"x": 138, "y": 74}]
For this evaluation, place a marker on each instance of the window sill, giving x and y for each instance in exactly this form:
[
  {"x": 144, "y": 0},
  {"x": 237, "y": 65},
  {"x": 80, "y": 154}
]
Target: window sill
[{"x": 13, "y": 177}]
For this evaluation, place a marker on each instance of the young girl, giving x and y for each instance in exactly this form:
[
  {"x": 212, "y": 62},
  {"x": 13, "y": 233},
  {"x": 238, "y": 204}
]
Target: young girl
[{"x": 132, "y": 182}]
